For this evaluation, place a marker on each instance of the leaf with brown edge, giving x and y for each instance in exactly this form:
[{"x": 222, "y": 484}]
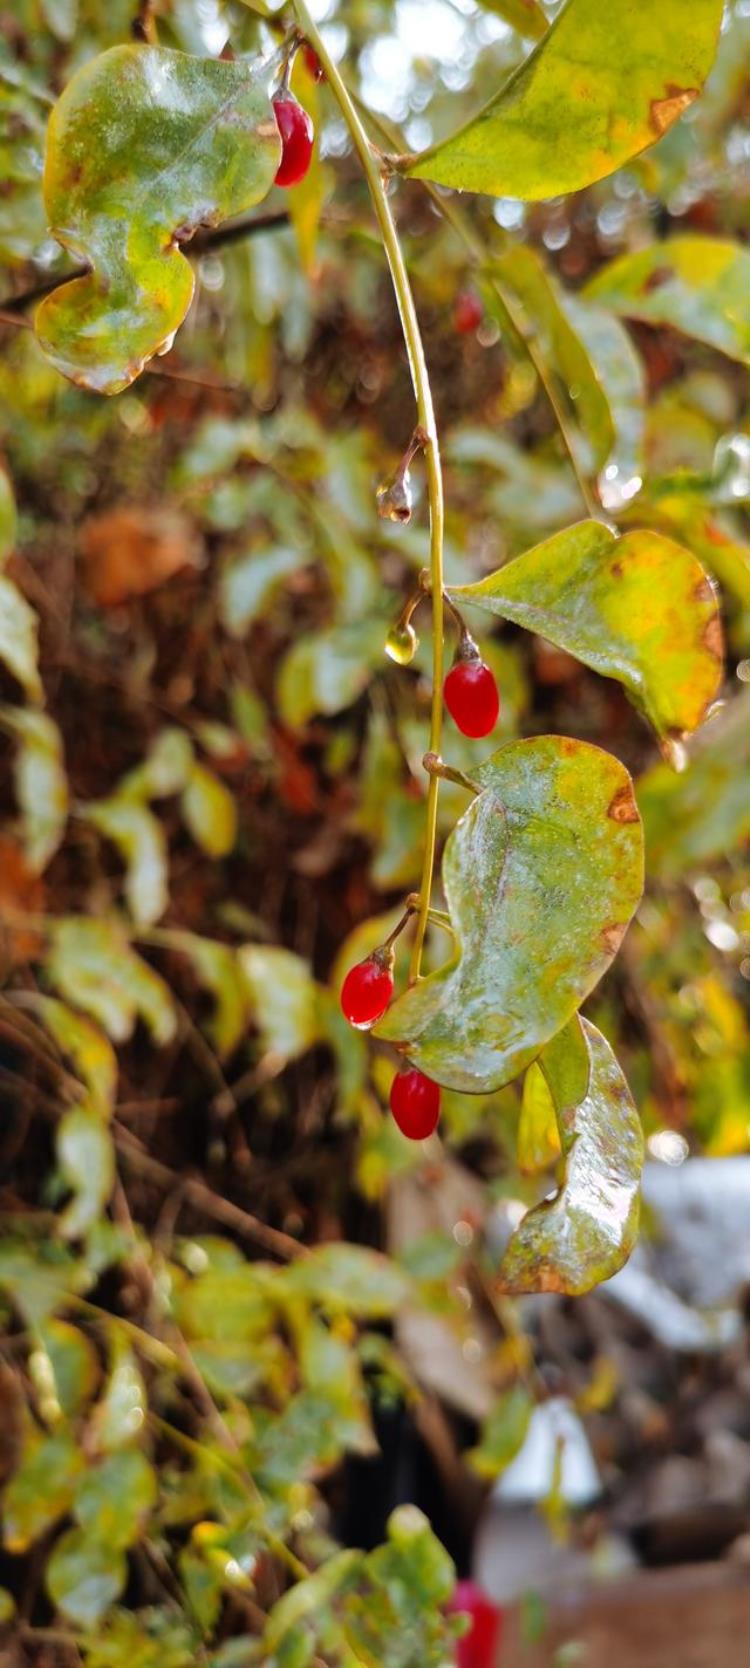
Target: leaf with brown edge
[
  {"x": 639, "y": 608},
  {"x": 584, "y": 1235},
  {"x": 144, "y": 146},
  {"x": 542, "y": 876}
]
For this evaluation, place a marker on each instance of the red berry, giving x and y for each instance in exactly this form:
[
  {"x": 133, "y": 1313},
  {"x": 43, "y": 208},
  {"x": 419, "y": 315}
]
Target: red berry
[
  {"x": 366, "y": 992},
  {"x": 313, "y": 64},
  {"x": 297, "y": 138},
  {"x": 468, "y": 313},
  {"x": 479, "y": 1647},
  {"x": 415, "y": 1104},
  {"x": 471, "y": 697}
]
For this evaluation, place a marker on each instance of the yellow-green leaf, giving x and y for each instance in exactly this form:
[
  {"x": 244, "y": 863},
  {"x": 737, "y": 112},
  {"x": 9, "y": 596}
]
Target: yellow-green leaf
[
  {"x": 704, "y": 814},
  {"x": 538, "y": 1140},
  {"x": 7, "y": 516},
  {"x": 41, "y": 1489},
  {"x": 698, "y": 285},
  {"x": 582, "y": 1236},
  {"x": 18, "y": 638},
  {"x": 210, "y": 812},
  {"x": 86, "y": 1158},
  {"x": 542, "y": 876},
  {"x": 284, "y": 999},
  {"x": 94, "y": 966},
  {"x": 638, "y": 608},
  {"x": 144, "y": 145},
  {"x": 142, "y": 844},
  {"x": 41, "y": 782},
  {"x": 86, "y": 1046},
  {"x": 84, "y": 1577},
  {"x": 605, "y": 82},
  {"x": 526, "y": 16}
]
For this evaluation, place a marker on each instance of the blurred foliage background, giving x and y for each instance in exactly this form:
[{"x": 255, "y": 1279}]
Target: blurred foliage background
[{"x": 213, "y": 804}]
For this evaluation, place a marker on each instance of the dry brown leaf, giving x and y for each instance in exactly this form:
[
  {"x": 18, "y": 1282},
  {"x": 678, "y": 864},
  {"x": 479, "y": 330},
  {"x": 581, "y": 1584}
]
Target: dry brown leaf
[
  {"x": 131, "y": 550},
  {"x": 21, "y": 896}
]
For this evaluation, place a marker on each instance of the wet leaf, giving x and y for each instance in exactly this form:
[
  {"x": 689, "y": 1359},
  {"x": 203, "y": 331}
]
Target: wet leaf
[
  {"x": 210, "y": 812},
  {"x": 115, "y": 1497},
  {"x": 284, "y": 999},
  {"x": 94, "y": 966},
  {"x": 144, "y": 145},
  {"x": 41, "y": 783},
  {"x": 538, "y": 1140},
  {"x": 18, "y": 638},
  {"x": 697, "y": 285},
  {"x": 704, "y": 814},
  {"x": 120, "y": 1415},
  {"x": 522, "y": 272},
  {"x": 89, "y": 1050},
  {"x": 542, "y": 876},
  {"x": 42, "y": 1489},
  {"x": 587, "y": 1232},
  {"x": 601, "y": 86},
  {"x": 638, "y": 608},
  {"x": 353, "y": 1278},
  {"x": 84, "y": 1577},
  {"x": 86, "y": 1158},
  {"x": 142, "y": 844},
  {"x": 620, "y": 372},
  {"x": 503, "y": 1433}
]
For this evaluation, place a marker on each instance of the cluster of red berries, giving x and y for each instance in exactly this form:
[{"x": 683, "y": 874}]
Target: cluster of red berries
[{"x": 365, "y": 994}]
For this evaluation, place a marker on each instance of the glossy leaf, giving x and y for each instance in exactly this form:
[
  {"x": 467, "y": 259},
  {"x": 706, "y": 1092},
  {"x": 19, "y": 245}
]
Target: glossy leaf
[
  {"x": 542, "y": 876},
  {"x": 41, "y": 783},
  {"x": 142, "y": 844},
  {"x": 620, "y": 372},
  {"x": 94, "y": 966},
  {"x": 695, "y": 818},
  {"x": 638, "y": 608},
  {"x": 698, "y": 285},
  {"x": 84, "y": 1576},
  {"x": 144, "y": 145},
  {"x": 210, "y": 812},
  {"x": 581, "y": 1237},
  {"x": 601, "y": 86},
  {"x": 86, "y": 1157}
]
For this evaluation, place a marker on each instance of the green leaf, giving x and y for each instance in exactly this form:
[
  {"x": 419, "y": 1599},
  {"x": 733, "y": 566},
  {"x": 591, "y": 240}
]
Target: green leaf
[
  {"x": 94, "y": 966},
  {"x": 143, "y": 146},
  {"x": 526, "y": 16},
  {"x": 587, "y": 1232},
  {"x": 41, "y": 1489},
  {"x": 503, "y": 1433},
  {"x": 698, "y": 285},
  {"x": 284, "y": 999},
  {"x": 217, "y": 967},
  {"x": 538, "y": 1141},
  {"x": 351, "y": 1277},
  {"x": 250, "y": 582},
  {"x": 210, "y": 812},
  {"x": 542, "y": 876},
  {"x": 18, "y": 638},
  {"x": 120, "y": 1415},
  {"x": 8, "y": 519},
  {"x": 521, "y": 271},
  {"x": 7, "y": 1607},
  {"x": 84, "y": 1577},
  {"x": 163, "y": 772},
  {"x": 90, "y": 1051},
  {"x": 37, "y": 1283},
  {"x": 327, "y": 672},
  {"x": 142, "y": 844},
  {"x": 620, "y": 372},
  {"x": 41, "y": 783},
  {"x": 86, "y": 1158},
  {"x": 115, "y": 1497},
  {"x": 604, "y": 83},
  {"x": 693, "y": 819},
  {"x": 65, "y": 1367},
  {"x": 638, "y": 608}
]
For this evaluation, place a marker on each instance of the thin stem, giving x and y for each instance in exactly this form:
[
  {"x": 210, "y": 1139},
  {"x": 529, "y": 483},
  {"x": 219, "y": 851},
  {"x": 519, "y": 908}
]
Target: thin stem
[{"x": 426, "y": 420}]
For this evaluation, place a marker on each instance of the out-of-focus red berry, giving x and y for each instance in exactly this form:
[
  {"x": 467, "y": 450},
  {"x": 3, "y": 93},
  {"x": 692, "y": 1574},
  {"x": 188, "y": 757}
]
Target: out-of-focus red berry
[
  {"x": 313, "y": 64},
  {"x": 468, "y": 313},
  {"x": 479, "y": 1647}
]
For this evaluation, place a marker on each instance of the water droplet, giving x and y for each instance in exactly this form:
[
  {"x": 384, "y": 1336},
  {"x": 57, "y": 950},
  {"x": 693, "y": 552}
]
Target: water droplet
[{"x": 401, "y": 644}]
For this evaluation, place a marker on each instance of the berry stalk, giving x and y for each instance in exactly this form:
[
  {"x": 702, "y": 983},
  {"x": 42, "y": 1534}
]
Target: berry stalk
[{"x": 372, "y": 166}]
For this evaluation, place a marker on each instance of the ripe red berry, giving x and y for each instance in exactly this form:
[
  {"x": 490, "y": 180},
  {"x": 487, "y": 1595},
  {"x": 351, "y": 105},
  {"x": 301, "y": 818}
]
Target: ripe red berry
[
  {"x": 468, "y": 313},
  {"x": 479, "y": 1647},
  {"x": 313, "y": 64},
  {"x": 471, "y": 697},
  {"x": 297, "y": 139},
  {"x": 366, "y": 992},
  {"x": 415, "y": 1104}
]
